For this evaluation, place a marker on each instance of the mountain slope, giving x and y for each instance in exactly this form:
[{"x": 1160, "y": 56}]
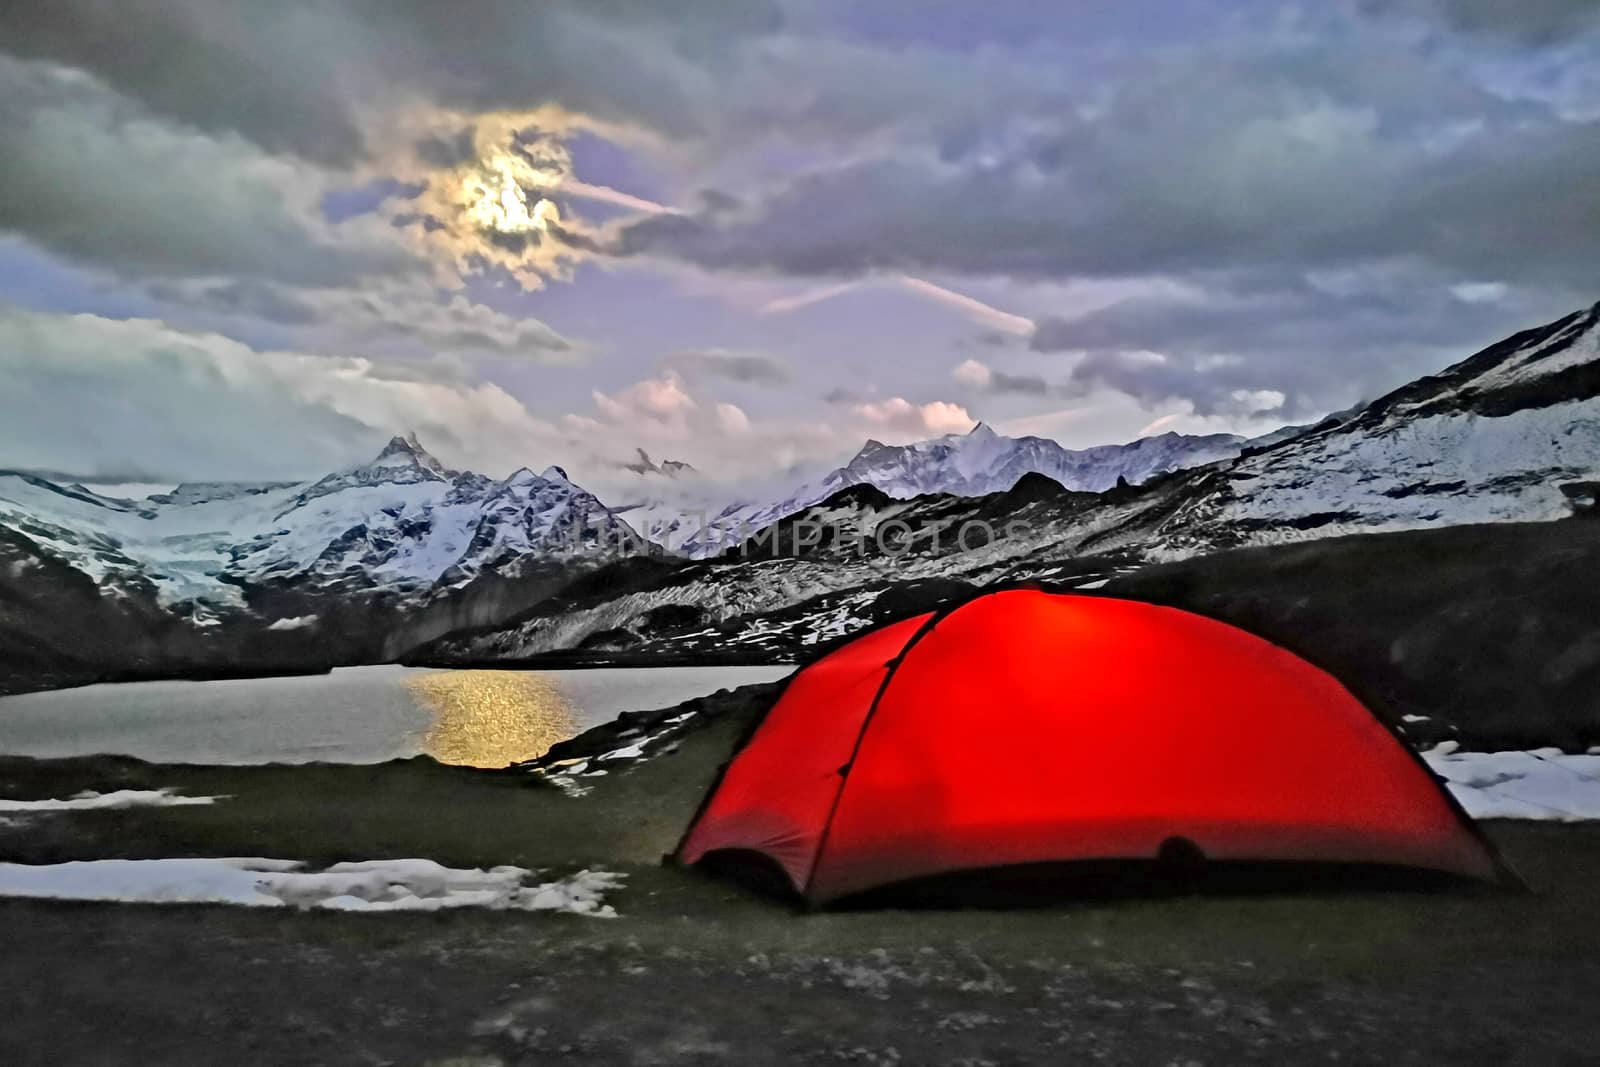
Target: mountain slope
[{"x": 1491, "y": 439}]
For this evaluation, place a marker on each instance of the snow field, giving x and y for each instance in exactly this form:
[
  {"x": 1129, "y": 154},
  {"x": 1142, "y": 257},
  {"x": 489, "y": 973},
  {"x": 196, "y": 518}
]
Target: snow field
[{"x": 367, "y": 885}]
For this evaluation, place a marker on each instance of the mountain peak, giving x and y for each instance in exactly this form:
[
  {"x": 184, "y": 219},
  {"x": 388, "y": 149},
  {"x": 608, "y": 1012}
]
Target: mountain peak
[
  {"x": 872, "y": 447},
  {"x": 670, "y": 468},
  {"x": 643, "y": 465},
  {"x": 520, "y": 476},
  {"x": 402, "y": 444},
  {"x": 404, "y": 450},
  {"x": 982, "y": 431},
  {"x": 554, "y": 473}
]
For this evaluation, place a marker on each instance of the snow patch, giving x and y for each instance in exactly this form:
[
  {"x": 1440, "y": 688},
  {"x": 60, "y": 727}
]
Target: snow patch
[
  {"x": 297, "y": 622},
  {"x": 1545, "y": 783},
  {"x": 121, "y": 798},
  {"x": 368, "y": 885},
  {"x": 1534, "y": 361},
  {"x": 564, "y": 774}
]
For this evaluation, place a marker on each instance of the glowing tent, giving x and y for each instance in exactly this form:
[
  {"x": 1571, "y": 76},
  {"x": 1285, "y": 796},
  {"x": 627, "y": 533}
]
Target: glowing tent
[{"x": 1026, "y": 727}]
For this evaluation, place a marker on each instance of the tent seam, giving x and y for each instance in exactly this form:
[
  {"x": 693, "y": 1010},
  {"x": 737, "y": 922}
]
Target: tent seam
[{"x": 872, "y": 711}]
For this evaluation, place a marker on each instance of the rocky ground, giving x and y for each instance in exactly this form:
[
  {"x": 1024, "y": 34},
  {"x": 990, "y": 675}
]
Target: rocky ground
[
  {"x": 697, "y": 970},
  {"x": 1480, "y": 634}
]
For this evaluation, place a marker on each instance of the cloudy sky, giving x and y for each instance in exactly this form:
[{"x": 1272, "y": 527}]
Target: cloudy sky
[{"x": 254, "y": 240}]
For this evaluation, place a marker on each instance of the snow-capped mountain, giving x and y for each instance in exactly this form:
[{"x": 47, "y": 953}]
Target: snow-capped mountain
[
  {"x": 1511, "y": 434},
  {"x": 403, "y": 461},
  {"x": 402, "y": 524},
  {"x": 982, "y": 461},
  {"x": 975, "y": 463}
]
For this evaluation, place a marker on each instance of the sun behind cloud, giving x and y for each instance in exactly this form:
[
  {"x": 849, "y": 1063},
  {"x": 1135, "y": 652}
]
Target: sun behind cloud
[
  {"x": 495, "y": 198},
  {"x": 489, "y": 198}
]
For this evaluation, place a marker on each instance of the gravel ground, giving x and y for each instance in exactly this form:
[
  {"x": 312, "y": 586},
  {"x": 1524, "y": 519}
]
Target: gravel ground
[{"x": 697, "y": 970}]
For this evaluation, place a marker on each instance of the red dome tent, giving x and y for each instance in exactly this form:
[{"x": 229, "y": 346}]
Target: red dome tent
[{"x": 1027, "y": 727}]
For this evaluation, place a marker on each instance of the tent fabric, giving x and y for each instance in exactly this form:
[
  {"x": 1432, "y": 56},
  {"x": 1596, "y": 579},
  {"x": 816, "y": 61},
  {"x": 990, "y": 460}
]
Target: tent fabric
[{"x": 1030, "y": 727}]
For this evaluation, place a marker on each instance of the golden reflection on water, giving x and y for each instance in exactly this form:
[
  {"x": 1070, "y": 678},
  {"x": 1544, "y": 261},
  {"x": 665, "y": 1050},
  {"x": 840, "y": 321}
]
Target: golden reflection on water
[{"x": 491, "y": 718}]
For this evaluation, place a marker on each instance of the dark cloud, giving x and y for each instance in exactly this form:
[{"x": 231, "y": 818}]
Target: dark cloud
[
  {"x": 426, "y": 223},
  {"x": 89, "y": 175},
  {"x": 571, "y": 238},
  {"x": 1026, "y": 384},
  {"x": 984, "y": 378},
  {"x": 349, "y": 202},
  {"x": 448, "y": 150},
  {"x": 1308, "y": 343},
  {"x": 1314, "y": 177},
  {"x": 1538, "y": 22},
  {"x": 1296, "y": 154},
  {"x": 204, "y": 64},
  {"x": 751, "y": 368},
  {"x": 269, "y": 303},
  {"x": 415, "y": 320},
  {"x": 1155, "y": 379},
  {"x": 687, "y": 236},
  {"x": 1302, "y": 158},
  {"x": 295, "y": 75},
  {"x": 544, "y": 151},
  {"x": 303, "y": 77},
  {"x": 514, "y": 242},
  {"x": 1235, "y": 318},
  {"x": 715, "y": 201},
  {"x": 1301, "y": 154}
]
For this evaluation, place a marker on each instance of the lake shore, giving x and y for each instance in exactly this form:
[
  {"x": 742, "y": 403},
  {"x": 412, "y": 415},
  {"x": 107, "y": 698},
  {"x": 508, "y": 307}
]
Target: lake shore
[
  {"x": 578, "y": 659},
  {"x": 700, "y": 970},
  {"x": 354, "y": 715},
  {"x": 21, "y": 684},
  {"x": 560, "y": 660}
]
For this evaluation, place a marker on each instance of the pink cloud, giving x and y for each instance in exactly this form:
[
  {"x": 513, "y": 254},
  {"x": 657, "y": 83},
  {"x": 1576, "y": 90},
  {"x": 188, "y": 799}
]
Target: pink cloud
[{"x": 930, "y": 419}]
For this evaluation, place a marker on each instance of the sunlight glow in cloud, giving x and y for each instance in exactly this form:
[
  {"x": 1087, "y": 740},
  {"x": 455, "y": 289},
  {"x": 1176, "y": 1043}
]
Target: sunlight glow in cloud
[
  {"x": 974, "y": 374},
  {"x": 496, "y": 204},
  {"x": 495, "y": 199},
  {"x": 1159, "y": 425},
  {"x": 488, "y": 198},
  {"x": 901, "y": 415}
]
